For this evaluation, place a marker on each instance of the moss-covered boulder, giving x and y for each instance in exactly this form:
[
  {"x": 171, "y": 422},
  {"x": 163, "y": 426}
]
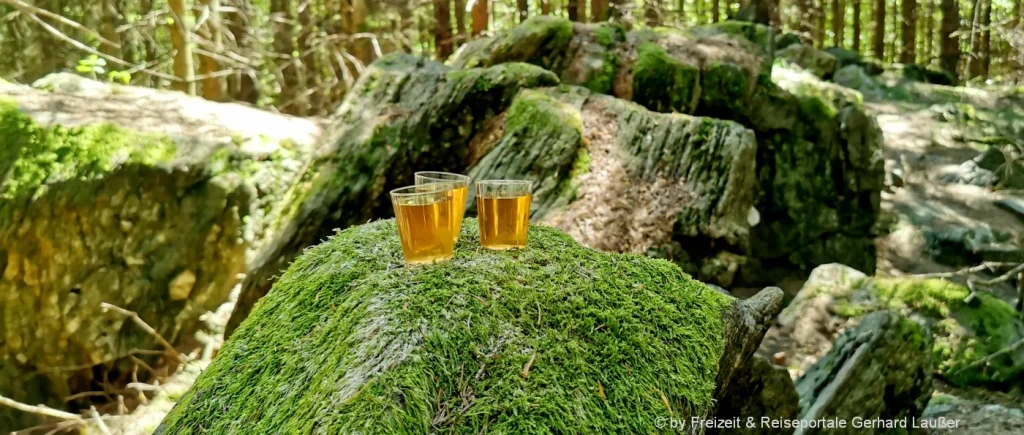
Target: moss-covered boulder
[
  {"x": 553, "y": 338},
  {"x": 620, "y": 178},
  {"x": 845, "y": 57},
  {"x": 815, "y": 61},
  {"x": 147, "y": 200},
  {"x": 926, "y": 74},
  {"x": 963, "y": 332},
  {"x": 878, "y": 369},
  {"x": 723, "y": 71},
  {"x": 405, "y": 114}
]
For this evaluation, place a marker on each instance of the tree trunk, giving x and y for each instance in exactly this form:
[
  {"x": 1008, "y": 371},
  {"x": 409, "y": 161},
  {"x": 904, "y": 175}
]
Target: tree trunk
[
  {"x": 856, "y": 25},
  {"x": 545, "y": 7},
  {"x": 985, "y": 54},
  {"x": 804, "y": 19},
  {"x": 973, "y": 66},
  {"x": 180, "y": 41},
  {"x": 572, "y": 7},
  {"x": 819, "y": 23},
  {"x": 838, "y": 25},
  {"x": 213, "y": 87},
  {"x": 949, "y": 44},
  {"x": 878, "y": 35},
  {"x": 460, "y": 18},
  {"x": 581, "y": 10},
  {"x": 598, "y": 10},
  {"x": 681, "y": 13},
  {"x": 908, "y": 31},
  {"x": 523, "y": 8},
  {"x": 442, "y": 29},
  {"x": 929, "y": 34},
  {"x": 481, "y": 16},
  {"x": 362, "y": 48},
  {"x": 714, "y": 11}
]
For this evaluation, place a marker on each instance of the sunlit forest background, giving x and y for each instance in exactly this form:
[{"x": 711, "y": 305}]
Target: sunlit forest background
[{"x": 299, "y": 56}]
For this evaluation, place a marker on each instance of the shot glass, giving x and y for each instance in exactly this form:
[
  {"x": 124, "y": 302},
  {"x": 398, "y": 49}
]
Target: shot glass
[
  {"x": 503, "y": 211},
  {"x": 424, "y": 215},
  {"x": 459, "y": 184}
]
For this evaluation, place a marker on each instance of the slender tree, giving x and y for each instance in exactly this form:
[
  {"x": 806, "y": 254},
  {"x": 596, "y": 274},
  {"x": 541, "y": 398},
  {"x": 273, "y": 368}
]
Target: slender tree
[
  {"x": 856, "y": 25},
  {"x": 213, "y": 85},
  {"x": 985, "y": 54},
  {"x": 180, "y": 41},
  {"x": 908, "y": 31},
  {"x": 572, "y": 7},
  {"x": 481, "y": 16},
  {"x": 819, "y": 23},
  {"x": 973, "y": 66},
  {"x": 714, "y": 11},
  {"x": 442, "y": 29},
  {"x": 929, "y": 34},
  {"x": 838, "y": 25},
  {"x": 460, "y": 18},
  {"x": 545, "y": 7},
  {"x": 878, "y": 34},
  {"x": 523, "y": 7},
  {"x": 598, "y": 10}
]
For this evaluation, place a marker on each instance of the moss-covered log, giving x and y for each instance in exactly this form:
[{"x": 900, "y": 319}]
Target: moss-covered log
[
  {"x": 618, "y": 177},
  {"x": 555, "y": 338},
  {"x": 154, "y": 207},
  {"x": 722, "y": 71}
]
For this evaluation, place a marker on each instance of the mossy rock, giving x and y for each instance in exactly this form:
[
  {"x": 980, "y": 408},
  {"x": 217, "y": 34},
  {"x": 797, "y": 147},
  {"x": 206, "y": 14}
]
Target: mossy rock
[
  {"x": 962, "y": 333},
  {"x": 846, "y": 57},
  {"x": 102, "y": 200},
  {"x": 350, "y": 340},
  {"x": 808, "y": 129},
  {"x": 926, "y": 74},
  {"x": 587, "y": 153},
  {"x": 818, "y": 62}
]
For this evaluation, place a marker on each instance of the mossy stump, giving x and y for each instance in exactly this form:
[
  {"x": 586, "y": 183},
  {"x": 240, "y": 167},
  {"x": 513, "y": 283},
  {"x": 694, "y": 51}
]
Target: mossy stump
[{"x": 555, "y": 338}]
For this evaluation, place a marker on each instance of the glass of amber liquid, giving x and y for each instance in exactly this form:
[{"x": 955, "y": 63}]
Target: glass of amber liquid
[
  {"x": 503, "y": 211},
  {"x": 459, "y": 184},
  {"x": 424, "y": 217}
]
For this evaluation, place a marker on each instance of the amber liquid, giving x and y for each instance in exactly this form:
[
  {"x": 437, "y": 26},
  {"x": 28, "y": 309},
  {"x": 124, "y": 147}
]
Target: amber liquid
[
  {"x": 425, "y": 230},
  {"x": 503, "y": 221},
  {"x": 458, "y": 210}
]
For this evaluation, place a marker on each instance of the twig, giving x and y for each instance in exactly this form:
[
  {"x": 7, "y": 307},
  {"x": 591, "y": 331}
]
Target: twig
[
  {"x": 1011, "y": 348},
  {"x": 32, "y": 10},
  {"x": 99, "y": 421},
  {"x": 85, "y": 394},
  {"x": 139, "y": 386},
  {"x": 39, "y": 409},
  {"x": 987, "y": 266},
  {"x": 145, "y": 326},
  {"x": 1004, "y": 277},
  {"x": 529, "y": 365}
]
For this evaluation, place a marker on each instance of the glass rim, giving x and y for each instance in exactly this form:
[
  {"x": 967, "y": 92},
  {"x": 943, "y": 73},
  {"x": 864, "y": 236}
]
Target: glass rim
[
  {"x": 441, "y": 176},
  {"x": 505, "y": 182},
  {"x": 418, "y": 189}
]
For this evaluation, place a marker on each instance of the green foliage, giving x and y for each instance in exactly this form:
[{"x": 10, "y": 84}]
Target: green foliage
[
  {"x": 32, "y": 155},
  {"x": 350, "y": 340},
  {"x": 964, "y": 333}
]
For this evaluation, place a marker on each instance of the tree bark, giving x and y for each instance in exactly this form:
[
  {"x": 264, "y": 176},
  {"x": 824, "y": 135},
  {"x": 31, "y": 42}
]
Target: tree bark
[
  {"x": 545, "y": 7},
  {"x": 442, "y": 29},
  {"x": 949, "y": 45},
  {"x": 878, "y": 35},
  {"x": 838, "y": 25},
  {"x": 804, "y": 19},
  {"x": 572, "y": 7},
  {"x": 819, "y": 23},
  {"x": 909, "y": 31},
  {"x": 856, "y": 25},
  {"x": 714, "y": 11},
  {"x": 180, "y": 41},
  {"x": 985, "y": 55},
  {"x": 973, "y": 66},
  {"x": 598, "y": 10},
  {"x": 929, "y": 34},
  {"x": 213, "y": 87},
  {"x": 523, "y": 8},
  {"x": 460, "y": 18},
  {"x": 481, "y": 16}
]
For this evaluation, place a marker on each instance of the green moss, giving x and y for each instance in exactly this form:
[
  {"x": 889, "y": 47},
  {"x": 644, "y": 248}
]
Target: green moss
[
  {"x": 609, "y": 34},
  {"x": 602, "y": 80},
  {"x": 753, "y": 32},
  {"x": 965, "y": 332},
  {"x": 351, "y": 341},
  {"x": 661, "y": 83},
  {"x": 538, "y": 111},
  {"x": 33, "y": 155},
  {"x": 540, "y": 40}
]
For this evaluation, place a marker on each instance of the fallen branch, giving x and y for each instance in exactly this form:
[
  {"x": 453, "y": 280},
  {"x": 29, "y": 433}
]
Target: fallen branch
[
  {"x": 39, "y": 409},
  {"x": 984, "y": 361},
  {"x": 99, "y": 421},
  {"x": 139, "y": 386},
  {"x": 145, "y": 326},
  {"x": 30, "y": 9},
  {"x": 1004, "y": 277},
  {"x": 983, "y": 267}
]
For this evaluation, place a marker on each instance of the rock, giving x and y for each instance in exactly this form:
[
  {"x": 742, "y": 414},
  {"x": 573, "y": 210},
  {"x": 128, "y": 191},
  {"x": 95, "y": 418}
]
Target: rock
[
  {"x": 351, "y": 340},
  {"x": 148, "y": 200},
  {"x": 806, "y": 128},
  {"x": 854, "y": 77},
  {"x": 962, "y": 333},
  {"x": 1012, "y": 205},
  {"x": 815, "y": 61},
  {"x": 926, "y": 74},
  {"x": 589, "y": 154},
  {"x": 765, "y": 391},
  {"x": 845, "y": 57},
  {"x": 962, "y": 246},
  {"x": 880, "y": 368},
  {"x": 405, "y": 114}
]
